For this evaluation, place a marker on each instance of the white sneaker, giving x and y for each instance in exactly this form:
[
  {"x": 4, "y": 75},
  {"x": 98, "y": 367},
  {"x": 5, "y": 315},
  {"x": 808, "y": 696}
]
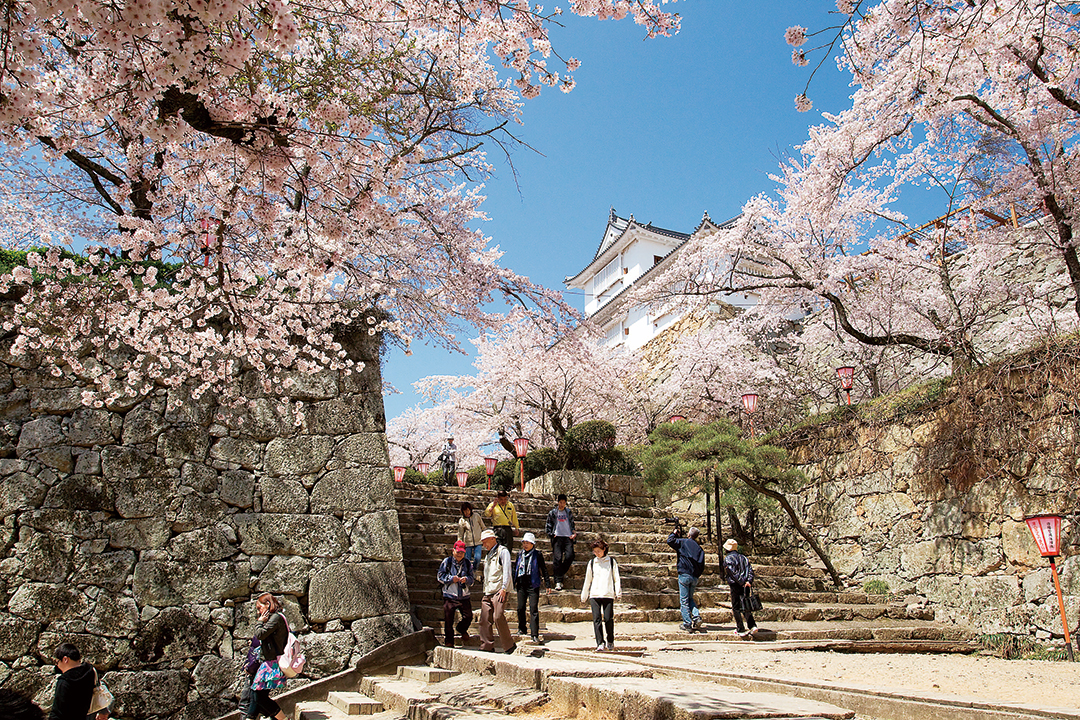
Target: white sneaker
[
  {"x": 753, "y": 631},
  {"x": 737, "y": 633},
  {"x": 601, "y": 647},
  {"x": 558, "y": 586}
]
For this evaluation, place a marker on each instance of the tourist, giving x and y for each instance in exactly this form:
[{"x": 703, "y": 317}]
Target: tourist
[
  {"x": 689, "y": 565},
  {"x": 469, "y": 527},
  {"x": 739, "y": 577},
  {"x": 497, "y": 568},
  {"x": 529, "y": 571},
  {"x": 602, "y": 588},
  {"x": 504, "y": 518},
  {"x": 456, "y": 575},
  {"x": 74, "y": 687},
  {"x": 560, "y": 528},
  {"x": 272, "y": 632},
  {"x": 16, "y": 706},
  {"x": 448, "y": 458}
]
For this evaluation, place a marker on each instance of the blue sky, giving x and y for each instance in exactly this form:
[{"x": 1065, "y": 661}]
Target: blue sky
[{"x": 665, "y": 129}]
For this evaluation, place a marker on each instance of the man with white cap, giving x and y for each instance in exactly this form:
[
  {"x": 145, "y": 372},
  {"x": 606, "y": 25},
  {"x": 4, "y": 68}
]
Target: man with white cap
[
  {"x": 529, "y": 571},
  {"x": 739, "y": 577},
  {"x": 497, "y": 574}
]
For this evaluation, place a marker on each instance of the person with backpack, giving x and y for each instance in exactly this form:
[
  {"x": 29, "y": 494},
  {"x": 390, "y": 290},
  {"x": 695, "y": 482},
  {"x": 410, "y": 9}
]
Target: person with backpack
[
  {"x": 690, "y": 565},
  {"x": 560, "y": 528},
  {"x": 530, "y": 571},
  {"x": 272, "y": 633},
  {"x": 601, "y": 589},
  {"x": 740, "y": 575},
  {"x": 456, "y": 576},
  {"x": 75, "y": 687}
]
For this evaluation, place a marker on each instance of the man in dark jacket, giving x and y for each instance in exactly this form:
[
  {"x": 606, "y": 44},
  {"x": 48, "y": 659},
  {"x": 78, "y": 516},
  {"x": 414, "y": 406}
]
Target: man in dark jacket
[
  {"x": 75, "y": 687},
  {"x": 739, "y": 577},
  {"x": 456, "y": 576},
  {"x": 691, "y": 563},
  {"x": 529, "y": 568},
  {"x": 560, "y": 528}
]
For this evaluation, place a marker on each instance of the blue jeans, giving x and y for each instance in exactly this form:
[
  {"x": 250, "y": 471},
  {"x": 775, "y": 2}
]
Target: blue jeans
[
  {"x": 687, "y": 606},
  {"x": 474, "y": 553}
]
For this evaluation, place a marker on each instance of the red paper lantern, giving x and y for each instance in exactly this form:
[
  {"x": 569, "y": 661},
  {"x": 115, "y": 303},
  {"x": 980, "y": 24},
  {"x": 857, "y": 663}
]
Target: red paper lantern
[
  {"x": 521, "y": 446},
  {"x": 1046, "y": 529},
  {"x": 676, "y": 418},
  {"x": 489, "y": 465},
  {"x": 423, "y": 468},
  {"x": 847, "y": 376},
  {"x": 399, "y": 473},
  {"x": 749, "y": 402},
  {"x": 462, "y": 477}
]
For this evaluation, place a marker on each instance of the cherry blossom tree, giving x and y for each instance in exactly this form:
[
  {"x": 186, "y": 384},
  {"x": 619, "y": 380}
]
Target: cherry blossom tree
[
  {"x": 241, "y": 180},
  {"x": 975, "y": 100}
]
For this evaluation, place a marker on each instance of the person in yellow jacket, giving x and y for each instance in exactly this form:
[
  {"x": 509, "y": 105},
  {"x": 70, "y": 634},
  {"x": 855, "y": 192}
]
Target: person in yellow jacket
[{"x": 504, "y": 519}]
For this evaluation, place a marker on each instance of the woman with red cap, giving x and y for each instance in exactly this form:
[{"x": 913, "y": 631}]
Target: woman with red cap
[{"x": 456, "y": 576}]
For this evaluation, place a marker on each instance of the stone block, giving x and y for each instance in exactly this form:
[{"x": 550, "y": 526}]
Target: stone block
[
  {"x": 114, "y": 616},
  {"x": 87, "y": 427},
  {"x": 327, "y": 653},
  {"x": 928, "y": 557},
  {"x": 375, "y": 536},
  {"x": 88, "y": 462},
  {"x": 285, "y": 534},
  {"x": 181, "y": 407},
  {"x": 345, "y": 415},
  {"x": 367, "y": 448},
  {"x": 237, "y": 488},
  {"x": 884, "y": 510},
  {"x": 370, "y": 633},
  {"x": 142, "y": 425},
  {"x": 198, "y": 510},
  {"x": 120, "y": 462},
  {"x": 363, "y": 488},
  {"x": 15, "y": 404},
  {"x": 109, "y": 570},
  {"x": 41, "y": 433},
  {"x": 350, "y": 591},
  {"x": 285, "y": 574},
  {"x": 161, "y": 583},
  {"x": 1019, "y": 548},
  {"x": 46, "y": 557},
  {"x": 78, "y": 523},
  {"x": 101, "y": 652},
  {"x": 186, "y": 443},
  {"x": 173, "y": 634},
  {"x": 245, "y": 453},
  {"x": 207, "y": 544},
  {"x": 140, "y": 534},
  {"x": 300, "y": 455},
  {"x": 81, "y": 492},
  {"x": 978, "y": 558},
  {"x": 58, "y": 458},
  {"x": 283, "y": 494},
  {"x": 16, "y": 637},
  {"x": 44, "y": 602},
  {"x": 214, "y": 676},
  {"x": 199, "y": 477},
  {"x": 143, "y": 497},
  {"x": 20, "y": 491},
  {"x": 148, "y": 693},
  {"x": 321, "y": 385},
  {"x": 55, "y": 401}
]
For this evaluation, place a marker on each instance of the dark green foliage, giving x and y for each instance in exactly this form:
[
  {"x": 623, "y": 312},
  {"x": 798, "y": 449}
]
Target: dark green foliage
[
  {"x": 590, "y": 446},
  {"x": 541, "y": 460}
]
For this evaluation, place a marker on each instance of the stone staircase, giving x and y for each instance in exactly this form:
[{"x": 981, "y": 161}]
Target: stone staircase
[
  {"x": 469, "y": 685},
  {"x": 800, "y": 601}
]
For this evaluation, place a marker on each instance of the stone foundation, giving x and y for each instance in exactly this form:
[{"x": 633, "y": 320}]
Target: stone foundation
[
  {"x": 595, "y": 487},
  {"x": 142, "y": 532}
]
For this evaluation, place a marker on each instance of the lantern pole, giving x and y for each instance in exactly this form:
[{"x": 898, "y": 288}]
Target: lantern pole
[
  {"x": 1046, "y": 532},
  {"x": 1061, "y": 606}
]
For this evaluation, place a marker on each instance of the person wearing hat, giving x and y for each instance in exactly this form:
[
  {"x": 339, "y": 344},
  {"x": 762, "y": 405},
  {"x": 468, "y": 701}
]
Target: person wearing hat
[
  {"x": 739, "y": 577},
  {"x": 690, "y": 564},
  {"x": 448, "y": 458},
  {"x": 529, "y": 571},
  {"x": 497, "y": 574},
  {"x": 456, "y": 575},
  {"x": 504, "y": 519}
]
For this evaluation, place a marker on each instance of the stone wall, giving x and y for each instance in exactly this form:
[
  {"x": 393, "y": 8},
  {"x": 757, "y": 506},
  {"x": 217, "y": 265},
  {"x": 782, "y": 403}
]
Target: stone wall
[
  {"x": 595, "y": 487},
  {"x": 887, "y": 507},
  {"x": 143, "y": 531}
]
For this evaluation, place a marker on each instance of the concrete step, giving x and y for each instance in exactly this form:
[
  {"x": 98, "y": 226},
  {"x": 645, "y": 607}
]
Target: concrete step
[
  {"x": 424, "y": 673},
  {"x": 354, "y": 703},
  {"x": 397, "y": 694}
]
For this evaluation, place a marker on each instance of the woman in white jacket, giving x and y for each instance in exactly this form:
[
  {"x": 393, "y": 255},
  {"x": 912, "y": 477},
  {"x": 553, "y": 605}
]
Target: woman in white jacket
[{"x": 601, "y": 589}]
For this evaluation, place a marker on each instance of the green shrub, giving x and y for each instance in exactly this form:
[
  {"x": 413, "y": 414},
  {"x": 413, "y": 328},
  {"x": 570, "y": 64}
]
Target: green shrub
[
  {"x": 876, "y": 587},
  {"x": 590, "y": 446}
]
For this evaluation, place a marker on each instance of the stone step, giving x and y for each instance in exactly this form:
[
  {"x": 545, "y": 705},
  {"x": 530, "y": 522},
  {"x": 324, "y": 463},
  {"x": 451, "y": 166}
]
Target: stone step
[
  {"x": 323, "y": 710},
  {"x": 426, "y": 593},
  {"x": 395, "y": 693},
  {"x": 424, "y": 673},
  {"x": 354, "y": 703}
]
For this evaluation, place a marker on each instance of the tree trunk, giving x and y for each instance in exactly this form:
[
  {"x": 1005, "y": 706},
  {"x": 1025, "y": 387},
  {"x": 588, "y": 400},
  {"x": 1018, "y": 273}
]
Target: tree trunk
[{"x": 782, "y": 499}]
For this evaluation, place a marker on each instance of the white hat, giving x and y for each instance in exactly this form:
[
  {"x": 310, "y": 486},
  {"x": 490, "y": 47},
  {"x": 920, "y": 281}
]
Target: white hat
[
  {"x": 528, "y": 538},
  {"x": 488, "y": 534},
  {"x": 731, "y": 544}
]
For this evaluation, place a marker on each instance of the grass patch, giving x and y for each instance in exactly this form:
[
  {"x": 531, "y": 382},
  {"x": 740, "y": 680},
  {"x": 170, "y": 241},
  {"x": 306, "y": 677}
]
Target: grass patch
[
  {"x": 1015, "y": 647},
  {"x": 876, "y": 587}
]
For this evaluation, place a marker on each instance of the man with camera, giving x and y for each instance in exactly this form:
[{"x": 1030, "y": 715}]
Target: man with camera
[{"x": 690, "y": 565}]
